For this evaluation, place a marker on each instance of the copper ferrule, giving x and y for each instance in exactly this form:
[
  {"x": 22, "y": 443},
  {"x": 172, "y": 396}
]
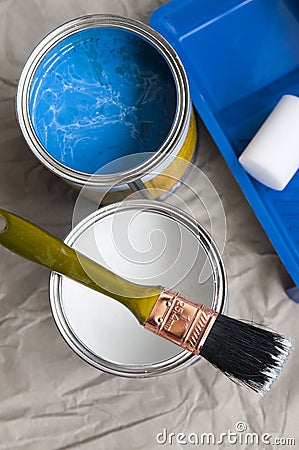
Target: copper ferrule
[{"x": 181, "y": 321}]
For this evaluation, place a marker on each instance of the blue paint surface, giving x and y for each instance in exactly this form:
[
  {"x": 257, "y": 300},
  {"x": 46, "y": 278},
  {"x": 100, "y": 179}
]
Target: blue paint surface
[{"x": 101, "y": 94}]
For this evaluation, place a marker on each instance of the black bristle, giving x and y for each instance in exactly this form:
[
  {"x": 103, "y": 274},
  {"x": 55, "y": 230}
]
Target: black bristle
[{"x": 246, "y": 353}]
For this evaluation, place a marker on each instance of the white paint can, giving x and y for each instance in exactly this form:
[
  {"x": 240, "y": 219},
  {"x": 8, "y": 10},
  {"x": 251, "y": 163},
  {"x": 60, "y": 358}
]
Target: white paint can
[{"x": 150, "y": 243}]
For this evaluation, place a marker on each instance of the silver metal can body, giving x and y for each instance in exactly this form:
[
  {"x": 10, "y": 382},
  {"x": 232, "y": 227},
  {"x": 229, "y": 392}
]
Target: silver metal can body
[
  {"x": 150, "y": 243},
  {"x": 159, "y": 170}
]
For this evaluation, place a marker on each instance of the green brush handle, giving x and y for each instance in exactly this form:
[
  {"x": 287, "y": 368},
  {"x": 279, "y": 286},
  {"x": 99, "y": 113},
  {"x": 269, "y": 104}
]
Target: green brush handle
[{"x": 32, "y": 242}]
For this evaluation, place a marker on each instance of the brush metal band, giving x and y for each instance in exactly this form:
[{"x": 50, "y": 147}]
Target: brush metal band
[{"x": 181, "y": 320}]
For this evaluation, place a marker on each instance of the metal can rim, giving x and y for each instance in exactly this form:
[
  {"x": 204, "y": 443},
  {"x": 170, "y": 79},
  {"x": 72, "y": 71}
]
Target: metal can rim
[
  {"x": 179, "y": 125},
  {"x": 182, "y": 359}
]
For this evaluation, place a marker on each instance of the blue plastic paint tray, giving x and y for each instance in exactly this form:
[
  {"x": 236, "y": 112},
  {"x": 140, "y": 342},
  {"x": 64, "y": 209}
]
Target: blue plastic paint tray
[{"x": 241, "y": 57}]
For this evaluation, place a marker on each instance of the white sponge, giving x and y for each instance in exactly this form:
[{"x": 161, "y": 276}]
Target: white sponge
[{"x": 272, "y": 157}]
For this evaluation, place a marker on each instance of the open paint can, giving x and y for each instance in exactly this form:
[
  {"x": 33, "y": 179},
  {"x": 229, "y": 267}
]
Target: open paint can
[
  {"x": 150, "y": 243},
  {"x": 103, "y": 102}
]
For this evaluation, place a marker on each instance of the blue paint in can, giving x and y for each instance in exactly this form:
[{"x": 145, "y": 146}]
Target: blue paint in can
[{"x": 100, "y": 94}]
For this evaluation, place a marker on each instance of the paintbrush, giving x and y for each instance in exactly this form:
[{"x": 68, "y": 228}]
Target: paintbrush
[{"x": 246, "y": 353}]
